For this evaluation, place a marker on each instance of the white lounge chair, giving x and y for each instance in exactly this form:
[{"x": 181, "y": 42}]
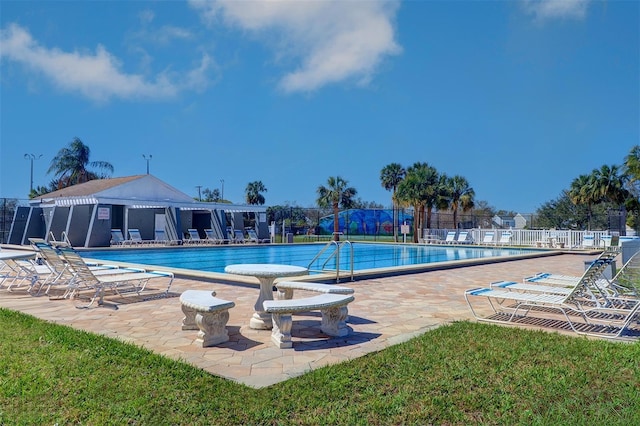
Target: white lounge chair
[
  {"x": 238, "y": 237},
  {"x": 505, "y": 238},
  {"x": 463, "y": 238},
  {"x": 588, "y": 241},
  {"x": 603, "y": 316},
  {"x": 16, "y": 272},
  {"x": 118, "y": 239},
  {"x": 489, "y": 238},
  {"x": 10, "y": 272},
  {"x": 606, "y": 257},
  {"x": 606, "y": 240},
  {"x": 451, "y": 237},
  {"x": 230, "y": 236},
  {"x": 213, "y": 239},
  {"x": 194, "y": 237},
  {"x": 84, "y": 278},
  {"x": 136, "y": 237},
  {"x": 61, "y": 272},
  {"x": 626, "y": 281},
  {"x": 253, "y": 237},
  {"x": 161, "y": 238}
]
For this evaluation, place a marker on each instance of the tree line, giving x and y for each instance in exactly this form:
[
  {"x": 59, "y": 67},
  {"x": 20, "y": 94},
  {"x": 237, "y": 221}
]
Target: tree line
[
  {"x": 419, "y": 186},
  {"x": 584, "y": 205},
  {"x": 422, "y": 187}
]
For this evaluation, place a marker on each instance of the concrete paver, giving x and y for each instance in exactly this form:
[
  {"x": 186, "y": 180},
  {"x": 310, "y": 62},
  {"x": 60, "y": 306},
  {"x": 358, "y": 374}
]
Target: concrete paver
[{"x": 386, "y": 311}]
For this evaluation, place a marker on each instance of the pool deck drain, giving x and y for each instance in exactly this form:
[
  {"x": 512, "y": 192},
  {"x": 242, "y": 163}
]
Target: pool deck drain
[{"x": 386, "y": 311}]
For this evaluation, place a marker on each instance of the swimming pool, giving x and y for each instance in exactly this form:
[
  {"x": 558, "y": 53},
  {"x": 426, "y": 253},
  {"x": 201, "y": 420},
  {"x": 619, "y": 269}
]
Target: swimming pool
[{"x": 366, "y": 256}]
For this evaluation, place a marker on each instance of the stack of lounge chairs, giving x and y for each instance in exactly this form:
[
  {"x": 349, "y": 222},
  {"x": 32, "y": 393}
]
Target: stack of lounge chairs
[
  {"x": 77, "y": 277},
  {"x": 590, "y": 304}
]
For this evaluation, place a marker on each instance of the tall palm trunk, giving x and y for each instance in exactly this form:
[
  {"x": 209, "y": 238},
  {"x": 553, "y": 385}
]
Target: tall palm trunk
[
  {"x": 455, "y": 218},
  {"x": 395, "y": 220},
  {"x": 336, "y": 223}
]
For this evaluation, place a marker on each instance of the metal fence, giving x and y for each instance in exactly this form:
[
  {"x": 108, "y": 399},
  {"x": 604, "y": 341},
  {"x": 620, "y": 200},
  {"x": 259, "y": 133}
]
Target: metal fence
[
  {"x": 7, "y": 209},
  {"x": 318, "y": 223},
  {"x": 299, "y": 221}
]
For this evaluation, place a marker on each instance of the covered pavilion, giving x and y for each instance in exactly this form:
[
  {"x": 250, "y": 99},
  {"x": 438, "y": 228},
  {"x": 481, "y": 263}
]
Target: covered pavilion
[{"x": 85, "y": 214}]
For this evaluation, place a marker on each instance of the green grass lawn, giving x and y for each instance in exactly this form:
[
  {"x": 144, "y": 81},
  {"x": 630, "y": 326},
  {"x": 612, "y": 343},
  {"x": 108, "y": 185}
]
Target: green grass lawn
[{"x": 464, "y": 373}]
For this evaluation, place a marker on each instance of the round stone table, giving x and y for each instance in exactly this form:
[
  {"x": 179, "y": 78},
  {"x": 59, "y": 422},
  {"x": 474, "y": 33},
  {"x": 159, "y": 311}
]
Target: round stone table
[{"x": 266, "y": 273}]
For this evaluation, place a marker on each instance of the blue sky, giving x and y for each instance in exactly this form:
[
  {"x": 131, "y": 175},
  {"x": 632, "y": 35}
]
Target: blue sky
[{"x": 519, "y": 97}]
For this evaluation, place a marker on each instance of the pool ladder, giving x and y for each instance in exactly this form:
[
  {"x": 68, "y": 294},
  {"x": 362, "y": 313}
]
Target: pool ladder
[{"x": 335, "y": 254}]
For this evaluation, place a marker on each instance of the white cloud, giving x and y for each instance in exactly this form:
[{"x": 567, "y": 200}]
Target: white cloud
[
  {"x": 550, "y": 9},
  {"x": 162, "y": 35},
  {"x": 98, "y": 75},
  {"x": 332, "y": 41},
  {"x": 146, "y": 16}
]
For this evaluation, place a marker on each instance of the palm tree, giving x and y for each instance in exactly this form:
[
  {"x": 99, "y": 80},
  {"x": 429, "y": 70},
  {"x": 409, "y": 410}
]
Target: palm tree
[
  {"x": 610, "y": 184},
  {"x": 390, "y": 176},
  {"x": 460, "y": 195},
  {"x": 632, "y": 169},
  {"x": 441, "y": 197},
  {"x": 583, "y": 191},
  {"x": 253, "y": 193},
  {"x": 337, "y": 193},
  {"x": 69, "y": 166},
  {"x": 419, "y": 189}
]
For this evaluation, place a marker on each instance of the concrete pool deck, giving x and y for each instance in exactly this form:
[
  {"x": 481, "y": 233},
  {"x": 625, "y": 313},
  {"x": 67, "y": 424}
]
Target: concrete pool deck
[{"x": 386, "y": 311}]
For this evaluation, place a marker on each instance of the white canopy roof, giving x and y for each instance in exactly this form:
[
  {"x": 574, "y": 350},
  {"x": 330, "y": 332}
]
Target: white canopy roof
[{"x": 141, "y": 191}]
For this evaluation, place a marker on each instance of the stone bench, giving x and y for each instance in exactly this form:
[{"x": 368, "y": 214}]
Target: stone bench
[
  {"x": 332, "y": 306},
  {"x": 285, "y": 288},
  {"x": 205, "y": 312}
]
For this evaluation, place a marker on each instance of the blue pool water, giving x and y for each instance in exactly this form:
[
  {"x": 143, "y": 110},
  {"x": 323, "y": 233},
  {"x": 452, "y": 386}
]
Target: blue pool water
[{"x": 366, "y": 255}]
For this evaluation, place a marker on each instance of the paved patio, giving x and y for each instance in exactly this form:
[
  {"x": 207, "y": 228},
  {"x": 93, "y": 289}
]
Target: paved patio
[{"x": 386, "y": 311}]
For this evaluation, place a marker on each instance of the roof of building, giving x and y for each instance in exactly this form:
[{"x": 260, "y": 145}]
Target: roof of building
[
  {"x": 91, "y": 187},
  {"x": 139, "y": 191}
]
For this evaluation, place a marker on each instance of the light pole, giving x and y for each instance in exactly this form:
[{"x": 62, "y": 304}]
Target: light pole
[
  {"x": 199, "y": 193},
  {"x": 148, "y": 159},
  {"x": 31, "y": 157},
  {"x": 222, "y": 191}
]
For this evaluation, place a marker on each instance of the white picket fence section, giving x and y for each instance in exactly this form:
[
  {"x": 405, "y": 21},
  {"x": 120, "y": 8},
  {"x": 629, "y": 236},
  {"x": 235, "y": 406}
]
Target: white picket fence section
[{"x": 567, "y": 239}]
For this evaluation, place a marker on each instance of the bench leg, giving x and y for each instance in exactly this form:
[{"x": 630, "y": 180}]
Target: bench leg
[
  {"x": 334, "y": 321},
  {"x": 281, "y": 331},
  {"x": 285, "y": 294},
  {"x": 213, "y": 327},
  {"x": 189, "y": 320}
]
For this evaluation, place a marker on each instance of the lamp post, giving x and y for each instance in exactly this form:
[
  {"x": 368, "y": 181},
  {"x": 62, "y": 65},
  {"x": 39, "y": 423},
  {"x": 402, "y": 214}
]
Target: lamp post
[
  {"x": 31, "y": 157},
  {"x": 222, "y": 190},
  {"x": 199, "y": 193},
  {"x": 148, "y": 159}
]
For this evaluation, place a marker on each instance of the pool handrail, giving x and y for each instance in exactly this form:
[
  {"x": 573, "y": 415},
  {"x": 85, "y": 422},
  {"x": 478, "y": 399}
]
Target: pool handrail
[{"x": 335, "y": 253}]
